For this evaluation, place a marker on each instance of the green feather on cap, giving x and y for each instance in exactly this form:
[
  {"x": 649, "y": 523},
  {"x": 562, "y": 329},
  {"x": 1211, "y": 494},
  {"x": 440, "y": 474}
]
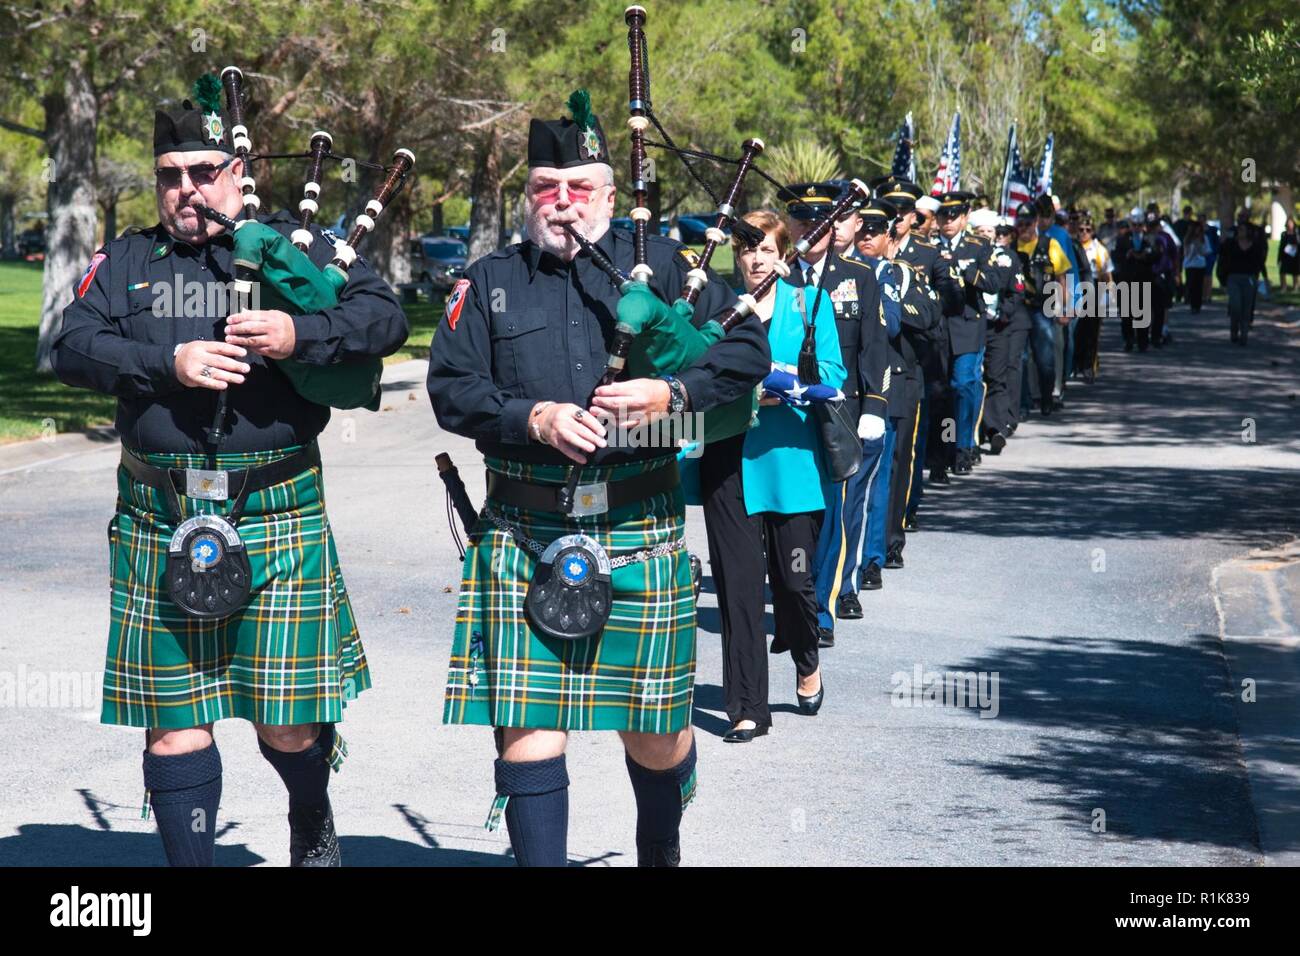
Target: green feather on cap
[
  {"x": 207, "y": 93},
  {"x": 580, "y": 107}
]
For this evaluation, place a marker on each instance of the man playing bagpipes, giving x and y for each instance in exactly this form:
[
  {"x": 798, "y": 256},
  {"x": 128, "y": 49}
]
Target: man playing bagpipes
[
  {"x": 516, "y": 365},
  {"x": 227, "y": 597}
]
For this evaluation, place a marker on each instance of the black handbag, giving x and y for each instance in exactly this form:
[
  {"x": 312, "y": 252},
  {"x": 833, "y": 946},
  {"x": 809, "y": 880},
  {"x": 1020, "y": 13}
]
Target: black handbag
[{"x": 839, "y": 433}]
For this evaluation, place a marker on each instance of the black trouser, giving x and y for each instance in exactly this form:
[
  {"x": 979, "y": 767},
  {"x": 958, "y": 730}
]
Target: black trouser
[
  {"x": 1018, "y": 334},
  {"x": 900, "y": 480},
  {"x": 997, "y": 367},
  {"x": 1161, "y": 294},
  {"x": 790, "y": 542},
  {"x": 1195, "y": 288},
  {"x": 738, "y": 568},
  {"x": 942, "y": 424},
  {"x": 1087, "y": 338}
]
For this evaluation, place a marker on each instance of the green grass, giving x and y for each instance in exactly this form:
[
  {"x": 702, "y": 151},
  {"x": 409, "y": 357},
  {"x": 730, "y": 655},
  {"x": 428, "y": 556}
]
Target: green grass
[{"x": 30, "y": 404}]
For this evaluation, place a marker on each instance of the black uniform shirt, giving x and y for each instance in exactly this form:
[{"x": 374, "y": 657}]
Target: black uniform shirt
[
  {"x": 112, "y": 341},
  {"x": 981, "y": 271},
  {"x": 529, "y": 327},
  {"x": 860, "y": 321}
]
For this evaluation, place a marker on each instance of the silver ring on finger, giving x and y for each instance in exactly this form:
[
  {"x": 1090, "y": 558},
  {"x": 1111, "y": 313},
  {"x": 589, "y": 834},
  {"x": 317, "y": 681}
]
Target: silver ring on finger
[
  {"x": 206, "y": 372},
  {"x": 577, "y": 413}
]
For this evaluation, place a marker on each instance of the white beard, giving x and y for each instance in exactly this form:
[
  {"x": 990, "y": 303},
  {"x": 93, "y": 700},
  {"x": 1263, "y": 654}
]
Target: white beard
[{"x": 562, "y": 247}]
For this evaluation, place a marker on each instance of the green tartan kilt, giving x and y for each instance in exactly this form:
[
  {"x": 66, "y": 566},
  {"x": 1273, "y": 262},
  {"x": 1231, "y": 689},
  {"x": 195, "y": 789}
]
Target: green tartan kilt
[
  {"x": 638, "y": 674},
  {"x": 292, "y": 656}
]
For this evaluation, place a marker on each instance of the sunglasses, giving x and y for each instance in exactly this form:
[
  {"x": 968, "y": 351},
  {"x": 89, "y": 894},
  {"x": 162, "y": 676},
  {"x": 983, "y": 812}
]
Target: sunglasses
[
  {"x": 550, "y": 192},
  {"x": 201, "y": 174}
]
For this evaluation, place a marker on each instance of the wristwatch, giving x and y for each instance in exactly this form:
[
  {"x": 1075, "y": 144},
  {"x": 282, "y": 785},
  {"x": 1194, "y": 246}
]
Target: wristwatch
[{"x": 677, "y": 397}]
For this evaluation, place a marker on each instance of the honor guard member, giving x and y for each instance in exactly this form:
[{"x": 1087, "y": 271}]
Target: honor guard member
[
  {"x": 936, "y": 267},
  {"x": 513, "y": 365},
  {"x": 864, "y": 345},
  {"x": 981, "y": 274},
  {"x": 873, "y": 242},
  {"x": 227, "y": 597},
  {"x": 1006, "y": 331}
]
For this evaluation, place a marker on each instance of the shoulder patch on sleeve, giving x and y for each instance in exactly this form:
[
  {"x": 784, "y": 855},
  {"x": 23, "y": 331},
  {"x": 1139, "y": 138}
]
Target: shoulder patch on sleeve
[
  {"x": 88, "y": 276},
  {"x": 456, "y": 302},
  {"x": 691, "y": 258}
]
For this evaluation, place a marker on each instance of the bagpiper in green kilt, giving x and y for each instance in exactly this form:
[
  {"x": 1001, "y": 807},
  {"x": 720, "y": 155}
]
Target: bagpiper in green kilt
[
  {"x": 292, "y": 656},
  {"x": 636, "y": 675}
]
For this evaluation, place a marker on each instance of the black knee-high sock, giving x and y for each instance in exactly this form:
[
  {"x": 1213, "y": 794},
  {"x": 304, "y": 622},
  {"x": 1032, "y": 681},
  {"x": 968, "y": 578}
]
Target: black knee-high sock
[
  {"x": 537, "y": 813},
  {"x": 306, "y": 774},
  {"x": 184, "y": 791},
  {"x": 661, "y": 796}
]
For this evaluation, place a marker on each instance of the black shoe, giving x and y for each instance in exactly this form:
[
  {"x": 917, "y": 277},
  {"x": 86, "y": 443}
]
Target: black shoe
[
  {"x": 697, "y": 572},
  {"x": 847, "y": 608},
  {"x": 312, "y": 840},
  {"x": 1089, "y": 376},
  {"x": 939, "y": 476},
  {"x": 739, "y": 735},
  {"x": 1011, "y": 429},
  {"x": 909, "y": 523},
  {"x": 661, "y": 854},
  {"x": 977, "y": 456},
  {"x": 963, "y": 464},
  {"x": 870, "y": 578},
  {"x": 894, "y": 560},
  {"x": 997, "y": 443},
  {"x": 826, "y": 636},
  {"x": 810, "y": 705}
]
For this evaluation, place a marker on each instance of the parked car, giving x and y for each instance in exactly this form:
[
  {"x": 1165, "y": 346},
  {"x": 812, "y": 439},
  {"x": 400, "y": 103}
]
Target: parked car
[
  {"x": 438, "y": 261},
  {"x": 30, "y": 242},
  {"x": 458, "y": 232},
  {"x": 625, "y": 223},
  {"x": 692, "y": 226}
]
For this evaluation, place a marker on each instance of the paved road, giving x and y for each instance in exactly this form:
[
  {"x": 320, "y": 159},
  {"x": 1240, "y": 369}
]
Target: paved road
[{"x": 1076, "y": 568}]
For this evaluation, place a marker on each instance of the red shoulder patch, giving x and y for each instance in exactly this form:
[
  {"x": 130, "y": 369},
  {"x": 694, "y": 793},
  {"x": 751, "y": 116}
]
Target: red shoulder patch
[
  {"x": 88, "y": 276},
  {"x": 455, "y": 302}
]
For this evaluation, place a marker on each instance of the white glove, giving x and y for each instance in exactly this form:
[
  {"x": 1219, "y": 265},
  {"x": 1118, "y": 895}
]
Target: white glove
[{"x": 870, "y": 427}]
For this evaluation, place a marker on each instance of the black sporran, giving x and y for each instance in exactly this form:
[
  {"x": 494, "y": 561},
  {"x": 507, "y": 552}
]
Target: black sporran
[
  {"x": 208, "y": 574},
  {"x": 569, "y": 596}
]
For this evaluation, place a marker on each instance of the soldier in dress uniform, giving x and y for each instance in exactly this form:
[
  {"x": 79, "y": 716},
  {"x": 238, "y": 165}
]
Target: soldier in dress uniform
[
  {"x": 981, "y": 274},
  {"x": 273, "y": 640},
  {"x": 938, "y": 271},
  {"x": 864, "y": 344},
  {"x": 522, "y": 346}
]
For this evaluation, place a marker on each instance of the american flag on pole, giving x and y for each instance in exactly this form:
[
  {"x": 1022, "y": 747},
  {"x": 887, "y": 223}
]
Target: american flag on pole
[
  {"x": 948, "y": 177},
  {"x": 1045, "y": 168},
  {"x": 904, "y": 155},
  {"x": 1015, "y": 178}
]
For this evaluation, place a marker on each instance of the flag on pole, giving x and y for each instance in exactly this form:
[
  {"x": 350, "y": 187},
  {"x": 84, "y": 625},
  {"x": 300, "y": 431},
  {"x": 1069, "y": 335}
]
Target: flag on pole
[
  {"x": 1015, "y": 178},
  {"x": 948, "y": 177},
  {"x": 904, "y": 155},
  {"x": 1044, "y": 182}
]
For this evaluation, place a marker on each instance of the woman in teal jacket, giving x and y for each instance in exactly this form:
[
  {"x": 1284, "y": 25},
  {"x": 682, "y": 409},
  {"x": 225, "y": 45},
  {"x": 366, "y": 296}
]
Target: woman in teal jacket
[{"x": 765, "y": 493}]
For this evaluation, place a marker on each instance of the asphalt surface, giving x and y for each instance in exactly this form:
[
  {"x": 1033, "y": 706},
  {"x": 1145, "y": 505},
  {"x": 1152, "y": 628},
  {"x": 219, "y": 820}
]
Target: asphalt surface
[{"x": 1076, "y": 569}]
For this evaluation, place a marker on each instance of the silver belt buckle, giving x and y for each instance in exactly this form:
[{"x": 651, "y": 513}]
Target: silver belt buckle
[
  {"x": 590, "y": 499},
  {"x": 210, "y": 485}
]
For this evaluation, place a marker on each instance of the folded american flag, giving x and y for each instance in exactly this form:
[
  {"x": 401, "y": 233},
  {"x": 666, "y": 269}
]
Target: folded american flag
[{"x": 786, "y": 386}]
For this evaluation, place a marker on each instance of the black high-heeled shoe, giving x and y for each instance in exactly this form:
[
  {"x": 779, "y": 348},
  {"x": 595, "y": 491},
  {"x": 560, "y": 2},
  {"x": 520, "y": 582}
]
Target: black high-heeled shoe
[{"x": 808, "y": 706}]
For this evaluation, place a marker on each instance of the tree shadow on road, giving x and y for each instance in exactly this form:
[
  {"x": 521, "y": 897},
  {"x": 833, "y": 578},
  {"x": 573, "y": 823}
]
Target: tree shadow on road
[
  {"x": 1144, "y": 731},
  {"x": 1242, "y": 506}
]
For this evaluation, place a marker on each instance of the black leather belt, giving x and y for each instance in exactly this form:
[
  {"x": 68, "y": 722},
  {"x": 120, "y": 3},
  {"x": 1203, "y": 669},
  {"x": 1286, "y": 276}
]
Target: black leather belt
[
  {"x": 235, "y": 483},
  {"x": 594, "y": 498}
]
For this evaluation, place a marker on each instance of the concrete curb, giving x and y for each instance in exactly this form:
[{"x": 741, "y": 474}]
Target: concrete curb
[
  {"x": 24, "y": 455},
  {"x": 1256, "y": 599}
]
